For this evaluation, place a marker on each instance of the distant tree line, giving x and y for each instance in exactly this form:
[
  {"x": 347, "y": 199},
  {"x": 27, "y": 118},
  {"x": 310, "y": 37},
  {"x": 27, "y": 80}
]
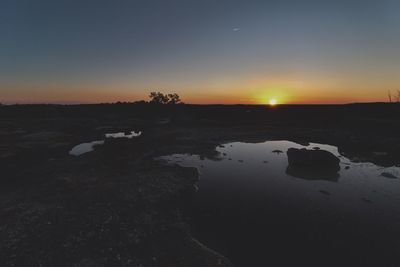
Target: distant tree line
[
  {"x": 157, "y": 98},
  {"x": 160, "y": 98}
]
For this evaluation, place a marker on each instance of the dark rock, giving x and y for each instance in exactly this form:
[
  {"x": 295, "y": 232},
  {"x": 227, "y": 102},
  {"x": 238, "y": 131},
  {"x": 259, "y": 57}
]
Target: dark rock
[
  {"x": 277, "y": 151},
  {"x": 388, "y": 175},
  {"x": 366, "y": 200},
  {"x": 303, "y": 143},
  {"x": 325, "y": 192},
  {"x": 313, "y": 164}
]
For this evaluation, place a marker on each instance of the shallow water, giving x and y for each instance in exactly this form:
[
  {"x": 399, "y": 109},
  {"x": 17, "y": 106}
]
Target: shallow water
[
  {"x": 124, "y": 135},
  {"x": 89, "y": 147},
  {"x": 85, "y": 148},
  {"x": 251, "y": 210}
]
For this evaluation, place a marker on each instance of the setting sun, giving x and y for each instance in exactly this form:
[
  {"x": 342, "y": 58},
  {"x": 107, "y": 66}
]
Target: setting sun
[{"x": 273, "y": 102}]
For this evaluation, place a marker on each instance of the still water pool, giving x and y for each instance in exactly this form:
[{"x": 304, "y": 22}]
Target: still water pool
[
  {"x": 85, "y": 148},
  {"x": 249, "y": 209},
  {"x": 89, "y": 147}
]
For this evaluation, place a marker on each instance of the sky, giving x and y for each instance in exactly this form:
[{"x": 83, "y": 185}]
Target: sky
[{"x": 207, "y": 51}]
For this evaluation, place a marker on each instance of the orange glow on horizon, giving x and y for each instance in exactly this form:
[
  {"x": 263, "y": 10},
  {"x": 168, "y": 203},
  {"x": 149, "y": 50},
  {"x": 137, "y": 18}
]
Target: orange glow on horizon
[
  {"x": 273, "y": 102},
  {"x": 188, "y": 100},
  {"x": 236, "y": 95}
]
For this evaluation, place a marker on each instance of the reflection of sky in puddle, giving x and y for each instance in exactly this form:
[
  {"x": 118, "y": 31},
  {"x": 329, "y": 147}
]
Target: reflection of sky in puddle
[
  {"x": 250, "y": 180},
  {"x": 89, "y": 147},
  {"x": 85, "y": 148},
  {"x": 123, "y": 135},
  {"x": 242, "y": 164}
]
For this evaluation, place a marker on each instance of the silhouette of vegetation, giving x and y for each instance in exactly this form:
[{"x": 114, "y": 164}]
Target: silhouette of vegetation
[
  {"x": 395, "y": 98},
  {"x": 160, "y": 98},
  {"x": 140, "y": 102},
  {"x": 174, "y": 99}
]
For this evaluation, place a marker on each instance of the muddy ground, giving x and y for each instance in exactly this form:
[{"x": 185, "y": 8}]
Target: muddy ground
[{"x": 117, "y": 206}]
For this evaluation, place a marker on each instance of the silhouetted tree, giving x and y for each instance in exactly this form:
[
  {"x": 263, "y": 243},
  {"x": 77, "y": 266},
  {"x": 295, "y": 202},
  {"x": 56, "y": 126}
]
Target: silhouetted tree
[
  {"x": 395, "y": 97},
  {"x": 160, "y": 98},
  {"x": 174, "y": 99}
]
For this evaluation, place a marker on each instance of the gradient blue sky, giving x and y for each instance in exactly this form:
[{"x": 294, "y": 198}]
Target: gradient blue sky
[{"x": 209, "y": 51}]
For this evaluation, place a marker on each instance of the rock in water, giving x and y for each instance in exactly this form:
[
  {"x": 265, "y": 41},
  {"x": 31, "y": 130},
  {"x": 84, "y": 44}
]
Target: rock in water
[{"x": 313, "y": 164}]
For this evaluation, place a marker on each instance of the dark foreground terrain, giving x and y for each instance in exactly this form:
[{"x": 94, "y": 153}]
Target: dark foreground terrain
[{"x": 117, "y": 206}]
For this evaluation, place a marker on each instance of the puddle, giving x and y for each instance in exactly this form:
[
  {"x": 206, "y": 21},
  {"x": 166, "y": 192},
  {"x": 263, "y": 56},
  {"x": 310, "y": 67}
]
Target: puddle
[
  {"x": 250, "y": 209},
  {"x": 124, "y": 135},
  {"x": 89, "y": 147},
  {"x": 85, "y": 148}
]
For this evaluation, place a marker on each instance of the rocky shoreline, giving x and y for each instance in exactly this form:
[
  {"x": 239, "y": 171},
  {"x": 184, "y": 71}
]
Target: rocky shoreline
[{"x": 117, "y": 205}]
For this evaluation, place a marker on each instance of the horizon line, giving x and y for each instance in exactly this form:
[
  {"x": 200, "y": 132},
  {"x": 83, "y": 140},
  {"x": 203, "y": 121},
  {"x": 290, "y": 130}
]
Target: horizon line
[{"x": 190, "y": 104}]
